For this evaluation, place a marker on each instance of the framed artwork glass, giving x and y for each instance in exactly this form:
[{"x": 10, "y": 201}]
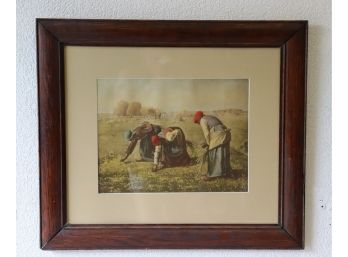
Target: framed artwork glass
[{"x": 171, "y": 134}]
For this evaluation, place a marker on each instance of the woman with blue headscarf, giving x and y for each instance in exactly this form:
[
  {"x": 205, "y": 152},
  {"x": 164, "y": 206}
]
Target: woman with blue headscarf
[{"x": 144, "y": 132}]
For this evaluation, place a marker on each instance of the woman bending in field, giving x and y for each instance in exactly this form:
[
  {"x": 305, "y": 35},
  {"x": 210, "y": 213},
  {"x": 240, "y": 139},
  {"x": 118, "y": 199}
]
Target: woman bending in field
[
  {"x": 170, "y": 148},
  {"x": 144, "y": 132},
  {"x": 217, "y": 138}
]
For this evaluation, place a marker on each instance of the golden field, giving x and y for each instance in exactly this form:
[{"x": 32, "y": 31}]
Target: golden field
[{"x": 132, "y": 176}]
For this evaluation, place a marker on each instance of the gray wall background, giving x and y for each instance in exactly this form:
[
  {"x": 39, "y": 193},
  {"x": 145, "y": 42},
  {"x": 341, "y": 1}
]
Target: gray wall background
[{"x": 318, "y": 162}]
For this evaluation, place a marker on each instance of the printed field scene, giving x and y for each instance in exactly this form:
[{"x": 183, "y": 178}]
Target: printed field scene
[{"x": 172, "y": 135}]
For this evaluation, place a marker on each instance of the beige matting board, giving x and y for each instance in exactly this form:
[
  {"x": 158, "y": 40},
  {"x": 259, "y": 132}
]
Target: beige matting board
[{"x": 84, "y": 65}]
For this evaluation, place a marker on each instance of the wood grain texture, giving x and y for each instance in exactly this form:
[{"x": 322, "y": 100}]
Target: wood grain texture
[
  {"x": 171, "y": 33},
  {"x": 294, "y": 113},
  {"x": 53, "y": 35},
  {"x": 51, "y": 135},
  {"x": 171, "y": 237}
]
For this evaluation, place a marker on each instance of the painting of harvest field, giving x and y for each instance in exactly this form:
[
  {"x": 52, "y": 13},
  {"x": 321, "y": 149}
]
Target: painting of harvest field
[{"x": 172, "y": 135}]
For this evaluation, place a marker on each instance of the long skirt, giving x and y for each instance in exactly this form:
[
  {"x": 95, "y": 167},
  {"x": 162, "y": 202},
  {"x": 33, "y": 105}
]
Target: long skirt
[
  {"x": 146, "y": 148},
  {"x": 219, "y": 161}
]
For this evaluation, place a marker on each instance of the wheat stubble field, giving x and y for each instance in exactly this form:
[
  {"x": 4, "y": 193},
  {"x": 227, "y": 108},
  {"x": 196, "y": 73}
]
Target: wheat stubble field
[{"x": 132, "y": 176}]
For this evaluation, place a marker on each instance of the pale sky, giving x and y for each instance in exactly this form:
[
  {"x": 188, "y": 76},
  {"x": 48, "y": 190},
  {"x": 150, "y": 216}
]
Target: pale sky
[{"x": 174, "y": 94}]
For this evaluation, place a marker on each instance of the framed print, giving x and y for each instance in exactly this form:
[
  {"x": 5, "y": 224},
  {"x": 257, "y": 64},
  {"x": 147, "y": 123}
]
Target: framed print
[
  {"x": 171, "y": 134},
  {"x": 160, "y": 114}
]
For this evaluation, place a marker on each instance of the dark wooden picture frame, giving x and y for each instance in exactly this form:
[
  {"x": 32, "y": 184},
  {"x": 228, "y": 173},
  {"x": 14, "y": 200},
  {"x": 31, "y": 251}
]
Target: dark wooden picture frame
[{"x": 54, "y": 34}]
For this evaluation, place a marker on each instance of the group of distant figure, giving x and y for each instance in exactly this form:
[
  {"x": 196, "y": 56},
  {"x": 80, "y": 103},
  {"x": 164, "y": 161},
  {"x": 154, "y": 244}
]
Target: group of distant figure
[{"x": 167, "y": 146}]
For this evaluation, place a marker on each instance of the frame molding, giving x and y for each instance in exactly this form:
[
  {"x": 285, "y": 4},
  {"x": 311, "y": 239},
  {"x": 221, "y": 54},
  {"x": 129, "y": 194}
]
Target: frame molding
[{"x": 54, "y": 34}]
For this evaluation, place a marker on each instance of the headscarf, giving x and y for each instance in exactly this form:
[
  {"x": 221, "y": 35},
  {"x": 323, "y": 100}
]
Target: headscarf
[
  {"x": 156, "y": 129},
  {"x": 197, "y": 117},
  {"x": 127, "y": 134},
  {"x": 155, "y": 140}
]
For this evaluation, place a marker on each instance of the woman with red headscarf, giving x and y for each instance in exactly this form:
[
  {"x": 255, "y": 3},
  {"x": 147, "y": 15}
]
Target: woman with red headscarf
[{"x": 217, "y": 138}]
